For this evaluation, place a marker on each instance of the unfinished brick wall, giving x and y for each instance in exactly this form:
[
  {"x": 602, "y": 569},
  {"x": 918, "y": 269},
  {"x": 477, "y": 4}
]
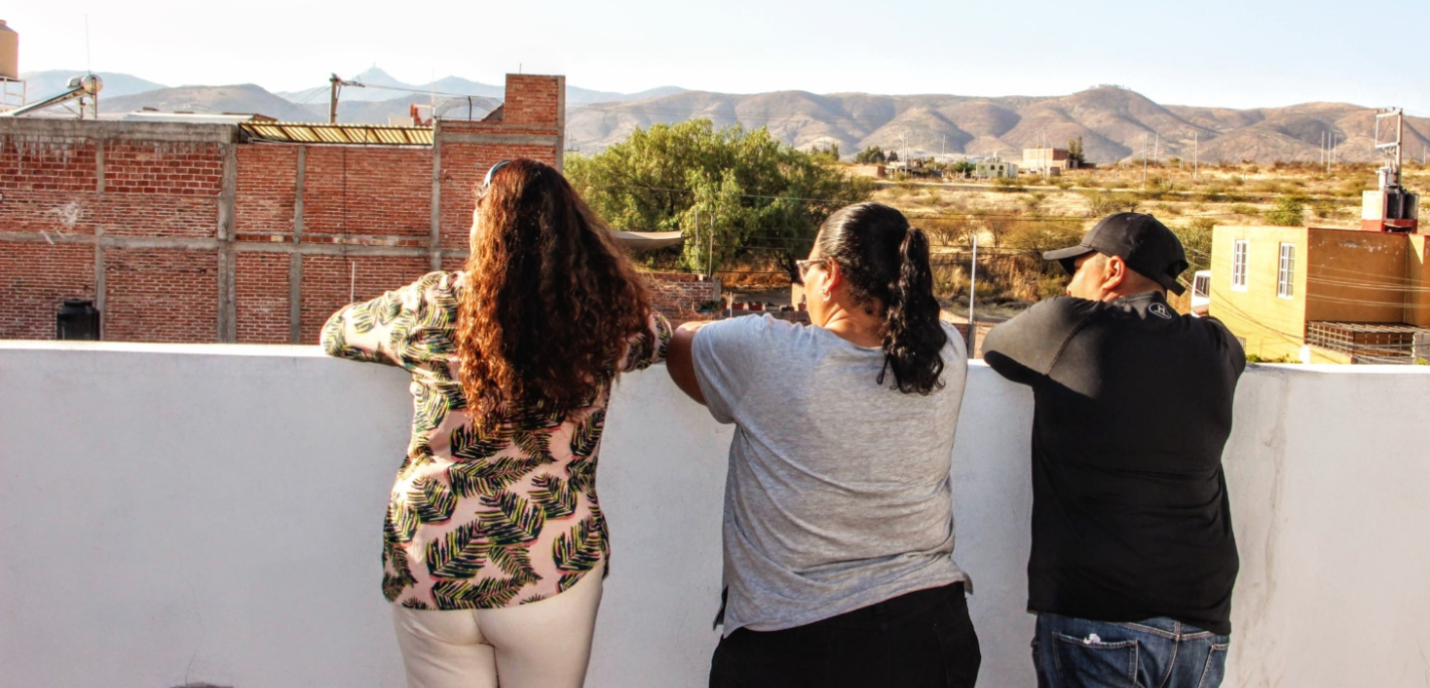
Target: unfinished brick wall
[
  {"x": 160, "y": 295},
  {"x": 29, "y": 298},
  {"x": 679, "y": 295},
  {"x": 187, "y": 233}
]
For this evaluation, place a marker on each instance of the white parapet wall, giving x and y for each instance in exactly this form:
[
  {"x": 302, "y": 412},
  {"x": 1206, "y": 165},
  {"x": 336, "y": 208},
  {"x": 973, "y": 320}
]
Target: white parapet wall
[{"x": 184, "y": 515}]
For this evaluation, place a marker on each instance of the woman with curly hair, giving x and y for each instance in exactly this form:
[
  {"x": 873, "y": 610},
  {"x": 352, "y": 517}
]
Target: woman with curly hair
[
  {"x": 838, "y": 530},
  {"x": 494, "y": 543}
]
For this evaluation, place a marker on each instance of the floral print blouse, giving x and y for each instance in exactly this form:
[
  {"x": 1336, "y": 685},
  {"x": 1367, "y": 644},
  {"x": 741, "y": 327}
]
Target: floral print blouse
[{"x": 480, "y": 521}]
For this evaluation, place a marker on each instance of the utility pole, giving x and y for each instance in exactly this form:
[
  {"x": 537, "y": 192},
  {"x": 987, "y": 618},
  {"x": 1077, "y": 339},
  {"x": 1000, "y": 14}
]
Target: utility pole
[
  {"x": 696, "y": 237},
  {"x": 335, "y": 83},
  {"x": 972, "y": 294},
  {"x": 1157, "y": 149},
  {"x": 1196, "y": 151},
  {"x": 710, "y": 260},
  {"x": 1144, "y": 161}
]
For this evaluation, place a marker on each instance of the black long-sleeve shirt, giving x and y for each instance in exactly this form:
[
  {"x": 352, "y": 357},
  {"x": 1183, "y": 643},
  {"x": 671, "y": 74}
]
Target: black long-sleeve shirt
[{"x": 1133, "y": 406}]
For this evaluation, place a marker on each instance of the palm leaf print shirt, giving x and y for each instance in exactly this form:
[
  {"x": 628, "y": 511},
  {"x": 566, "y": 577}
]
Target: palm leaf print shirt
[{"x": 481, "y": 520}]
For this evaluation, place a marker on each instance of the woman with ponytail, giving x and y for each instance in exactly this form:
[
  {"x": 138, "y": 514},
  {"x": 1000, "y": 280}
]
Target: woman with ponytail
[
  {"x": 494, "y": 546},
  {"x": 838, "y": 528}
]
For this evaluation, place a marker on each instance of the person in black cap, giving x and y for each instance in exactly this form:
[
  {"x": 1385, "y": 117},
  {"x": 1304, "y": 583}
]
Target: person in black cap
[{"x": 1133, "y": 557}]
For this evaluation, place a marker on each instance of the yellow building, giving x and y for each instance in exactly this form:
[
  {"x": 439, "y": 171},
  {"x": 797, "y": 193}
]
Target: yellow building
[{"x": 1322, "y": 295}]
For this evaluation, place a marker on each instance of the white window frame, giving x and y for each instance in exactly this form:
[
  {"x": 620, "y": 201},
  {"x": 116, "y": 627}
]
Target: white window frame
[
  {"x": 1239, "y": 249},
  {"x": 1286, "y": 271}
]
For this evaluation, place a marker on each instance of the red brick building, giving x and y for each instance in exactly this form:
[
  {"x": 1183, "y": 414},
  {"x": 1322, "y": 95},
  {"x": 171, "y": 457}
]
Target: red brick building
[{"x": 186, "y": 232}]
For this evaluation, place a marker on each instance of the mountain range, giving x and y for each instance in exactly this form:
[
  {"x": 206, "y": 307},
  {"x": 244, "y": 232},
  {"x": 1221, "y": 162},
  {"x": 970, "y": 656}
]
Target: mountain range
[{"x": 1114, "y": 123}]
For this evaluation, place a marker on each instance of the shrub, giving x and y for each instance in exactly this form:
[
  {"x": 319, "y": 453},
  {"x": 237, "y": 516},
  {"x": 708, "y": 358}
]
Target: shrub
[
  {"x": 1289, "y": 212},
  {"x": 1007, "y": 184},
  {"x": 1244, "y": 209}
]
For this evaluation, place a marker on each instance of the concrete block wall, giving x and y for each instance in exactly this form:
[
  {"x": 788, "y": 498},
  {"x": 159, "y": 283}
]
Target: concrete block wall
[{"x": 212, "y": 515}]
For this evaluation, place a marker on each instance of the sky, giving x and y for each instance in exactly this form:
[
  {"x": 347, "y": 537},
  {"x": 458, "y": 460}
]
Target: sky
[{"x": 1222, "y": 53}]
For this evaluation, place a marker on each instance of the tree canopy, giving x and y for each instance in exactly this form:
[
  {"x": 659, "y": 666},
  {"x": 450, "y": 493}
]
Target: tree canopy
[
  {"x": 870, "y": 156},
  {"x": 762, "y": 196}
]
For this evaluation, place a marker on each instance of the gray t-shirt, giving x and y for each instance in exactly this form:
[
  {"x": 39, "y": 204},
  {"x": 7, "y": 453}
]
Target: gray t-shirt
[{"x": 838, "y": 494}]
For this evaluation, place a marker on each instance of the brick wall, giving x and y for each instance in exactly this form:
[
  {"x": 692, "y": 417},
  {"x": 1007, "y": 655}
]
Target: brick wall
[
  {"x": 160, "y": 295},
  {"x": 186, "y": 233},
  {"x": 678, "y": 295}
]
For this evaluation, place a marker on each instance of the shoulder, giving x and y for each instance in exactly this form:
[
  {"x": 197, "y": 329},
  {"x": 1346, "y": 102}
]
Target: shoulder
[
  {"x": 1048, "y": 319},
  {"x": 959, "y": 349},
  {"x": 749, "y": 327},
  {"x": 1226, "y": 340},
  {"x": 1065, "y": 311},
  {"x": 749, "y": 338}
]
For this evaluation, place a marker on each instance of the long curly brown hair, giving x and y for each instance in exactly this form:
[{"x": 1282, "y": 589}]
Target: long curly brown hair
[{"x": 550, "y": 299}]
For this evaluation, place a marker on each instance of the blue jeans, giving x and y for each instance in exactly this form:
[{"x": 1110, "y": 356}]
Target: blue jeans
[{"x": 1154, "y": 653}]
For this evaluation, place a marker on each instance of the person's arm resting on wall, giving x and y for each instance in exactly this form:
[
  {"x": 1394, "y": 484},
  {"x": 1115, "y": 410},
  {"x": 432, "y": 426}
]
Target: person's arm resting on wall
[
  {"x": 374, "y": 331},
  {"x": 1025, "y": 348}
]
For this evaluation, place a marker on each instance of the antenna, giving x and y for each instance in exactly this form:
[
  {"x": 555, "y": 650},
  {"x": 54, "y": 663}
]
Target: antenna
[{"x": 88, "y": 63}]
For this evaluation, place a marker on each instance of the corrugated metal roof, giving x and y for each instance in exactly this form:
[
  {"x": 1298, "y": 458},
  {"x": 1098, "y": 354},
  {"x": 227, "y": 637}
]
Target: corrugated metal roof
[{"x": 360, "y": 134}]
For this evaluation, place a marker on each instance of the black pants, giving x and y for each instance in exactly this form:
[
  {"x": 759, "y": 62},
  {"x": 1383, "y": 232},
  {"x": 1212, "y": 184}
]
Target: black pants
[{"x": 923, "y": 639}]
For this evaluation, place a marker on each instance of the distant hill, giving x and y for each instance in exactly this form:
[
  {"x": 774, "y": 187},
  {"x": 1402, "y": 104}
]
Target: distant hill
[
  {"x": 239, "y": 98},
  {"x": 41, "y": 85},
  {"x": 374, "y": 78},
  {"x": 379, "y": 112},
  {"x": 1113, "y": 122}
]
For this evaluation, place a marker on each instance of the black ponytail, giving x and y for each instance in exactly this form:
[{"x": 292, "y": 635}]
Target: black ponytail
[{"x": 886, "y": 259}]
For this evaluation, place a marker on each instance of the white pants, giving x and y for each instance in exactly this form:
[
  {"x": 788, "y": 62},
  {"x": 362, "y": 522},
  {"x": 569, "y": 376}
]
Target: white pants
[{"x": 543, "y": 644}]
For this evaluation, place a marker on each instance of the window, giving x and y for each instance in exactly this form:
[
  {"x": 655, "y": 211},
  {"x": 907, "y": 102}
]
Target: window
[
  {"x": 1286, "y": 271},
  {"x": 1202, "y": 285},
  {"x": 1238, "y": 265}
]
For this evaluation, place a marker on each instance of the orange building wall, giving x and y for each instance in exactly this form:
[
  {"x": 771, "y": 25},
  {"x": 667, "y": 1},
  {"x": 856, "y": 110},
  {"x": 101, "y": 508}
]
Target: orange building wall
[{"x": 1355, "y": 276}]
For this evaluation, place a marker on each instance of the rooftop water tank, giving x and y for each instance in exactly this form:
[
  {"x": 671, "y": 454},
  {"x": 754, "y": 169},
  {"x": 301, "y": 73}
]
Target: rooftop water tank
[{"x": 9, "y": 52}]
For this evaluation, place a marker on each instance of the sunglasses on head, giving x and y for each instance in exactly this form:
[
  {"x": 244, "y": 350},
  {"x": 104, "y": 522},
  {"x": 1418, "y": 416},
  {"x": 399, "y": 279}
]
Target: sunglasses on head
[{"x": 488, "y": 180}]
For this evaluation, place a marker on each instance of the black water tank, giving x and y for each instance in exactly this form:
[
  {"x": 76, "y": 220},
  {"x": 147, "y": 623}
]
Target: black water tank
[{"x": 77, "y": 319}]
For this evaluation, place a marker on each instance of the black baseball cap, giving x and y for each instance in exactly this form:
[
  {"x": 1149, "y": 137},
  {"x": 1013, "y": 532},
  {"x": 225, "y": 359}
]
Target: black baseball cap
[{"x": 1142, "y": 240}]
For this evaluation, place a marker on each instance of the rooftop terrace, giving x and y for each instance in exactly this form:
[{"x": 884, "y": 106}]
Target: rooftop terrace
[{"x": 194, "y": 514}]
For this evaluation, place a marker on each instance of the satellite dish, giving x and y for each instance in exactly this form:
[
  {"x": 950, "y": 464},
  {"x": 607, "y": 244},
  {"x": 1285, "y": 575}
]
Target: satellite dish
[{"x": 469, "y": 108}]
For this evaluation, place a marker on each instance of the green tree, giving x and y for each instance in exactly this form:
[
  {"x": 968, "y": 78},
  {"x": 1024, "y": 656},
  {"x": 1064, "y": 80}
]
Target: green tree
[
  {"x": 872, "y": 155},
  {"x": 1196, "y": 238},
  {"x": 1075, "y": 153},
  {"x": 827, "y": 154},
  {"x": 764, "y": 198},
  {"x": 892, "y": 156},
  {"x": 963, "y": 167}
]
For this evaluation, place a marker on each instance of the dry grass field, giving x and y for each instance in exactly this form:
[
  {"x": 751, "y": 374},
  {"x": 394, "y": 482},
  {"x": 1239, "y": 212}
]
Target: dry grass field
[{"x": 1016, "y": 220}]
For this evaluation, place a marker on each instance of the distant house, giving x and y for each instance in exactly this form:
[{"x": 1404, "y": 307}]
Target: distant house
[
  {"x": 1046, "y": 161},
  {"x": 1322, "y": 295},
  {"x": 989, "y": 169}
]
